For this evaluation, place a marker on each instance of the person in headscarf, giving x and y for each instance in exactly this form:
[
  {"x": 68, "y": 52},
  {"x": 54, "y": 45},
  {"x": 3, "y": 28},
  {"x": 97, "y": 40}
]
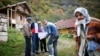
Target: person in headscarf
[{"x": 87, "y": 33}]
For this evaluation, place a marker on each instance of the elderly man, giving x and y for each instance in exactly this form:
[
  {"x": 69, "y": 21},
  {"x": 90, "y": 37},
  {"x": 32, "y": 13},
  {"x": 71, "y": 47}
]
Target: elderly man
[{"x": 27, "y": 36}]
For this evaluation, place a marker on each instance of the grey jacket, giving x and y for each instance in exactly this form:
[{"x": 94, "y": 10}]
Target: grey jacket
[{"x": 27, "y": 30}]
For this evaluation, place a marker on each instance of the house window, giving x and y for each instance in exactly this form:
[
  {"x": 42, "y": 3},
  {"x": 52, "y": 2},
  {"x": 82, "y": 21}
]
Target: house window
[
  {"x": 21, "y": 18},
  {"x": 24, "y": 9}
]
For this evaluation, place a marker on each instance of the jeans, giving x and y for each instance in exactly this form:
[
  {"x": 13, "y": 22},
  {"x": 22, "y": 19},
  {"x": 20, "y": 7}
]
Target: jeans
[
  {"x": 35, "y": 41},
  {"x": 52, "y": 40},
  {"x": 28, "y": 46}
]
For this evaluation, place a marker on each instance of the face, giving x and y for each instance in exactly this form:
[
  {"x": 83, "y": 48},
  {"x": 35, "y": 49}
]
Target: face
[
  {"x": 44, "y": 22},
  {"x": 36, "y": 20},
  {"x": 79, "y": 16},
  {"x": 29, "y": 21},
  {"x": 40, "y": 23}
]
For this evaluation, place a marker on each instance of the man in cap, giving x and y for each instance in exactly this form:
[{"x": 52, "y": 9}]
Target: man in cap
[{"x": 27, "y": 36}]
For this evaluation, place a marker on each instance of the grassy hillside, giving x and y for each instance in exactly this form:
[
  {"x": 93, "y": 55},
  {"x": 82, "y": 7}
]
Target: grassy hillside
[{"x": 14, "y": 46}]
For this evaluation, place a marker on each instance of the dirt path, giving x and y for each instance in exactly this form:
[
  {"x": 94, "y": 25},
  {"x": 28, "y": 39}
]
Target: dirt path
[{"x": 62, "y": 43}]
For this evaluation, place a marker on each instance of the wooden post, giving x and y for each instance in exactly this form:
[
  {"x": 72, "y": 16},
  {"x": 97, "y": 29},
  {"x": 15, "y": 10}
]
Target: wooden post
[
  {"x": 15, "y": 18},
  {"x": 8, "y": 17},
  {"x": 11, "y": 18}
]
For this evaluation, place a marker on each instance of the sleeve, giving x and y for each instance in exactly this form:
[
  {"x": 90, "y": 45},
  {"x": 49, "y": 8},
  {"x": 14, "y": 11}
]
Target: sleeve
[
  {"x": 48, "y": 30},
  {"x": 97, "y": 25},
  {"x": 24, "y": 31},
  {"x": 77, "y": 39},
  {"x": 32, "y": 28},
  {"x": 75, "y": 35},
  {"x": 42, "y": 28}
]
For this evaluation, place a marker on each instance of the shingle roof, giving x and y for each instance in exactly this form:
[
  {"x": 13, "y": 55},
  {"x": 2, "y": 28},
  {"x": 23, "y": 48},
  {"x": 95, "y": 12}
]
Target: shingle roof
[
  {"x": 69, "y": 23},
  {"x": 13, "y": 5},
  {"x": 65, "y": 23}
]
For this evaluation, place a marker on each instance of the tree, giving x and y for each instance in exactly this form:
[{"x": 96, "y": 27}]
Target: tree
[
  {"x": 6, "y": 2},
  {"x": 93, "y": 7}
]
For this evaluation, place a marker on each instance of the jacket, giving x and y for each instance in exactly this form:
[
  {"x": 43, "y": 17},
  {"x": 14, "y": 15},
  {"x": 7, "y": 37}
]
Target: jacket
[
  {"x": 93, "y": 33},
  {"x": 26, "y": 30},
  {"x": 51, "y": 29}
]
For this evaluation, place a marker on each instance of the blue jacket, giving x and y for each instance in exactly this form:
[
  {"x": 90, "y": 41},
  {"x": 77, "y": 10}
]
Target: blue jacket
[{"x": 51, "y": 29}]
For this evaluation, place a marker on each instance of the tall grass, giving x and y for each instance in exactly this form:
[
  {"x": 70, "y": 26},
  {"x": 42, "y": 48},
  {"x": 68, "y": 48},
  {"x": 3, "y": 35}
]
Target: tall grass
[{"x": 15, "y": 44}]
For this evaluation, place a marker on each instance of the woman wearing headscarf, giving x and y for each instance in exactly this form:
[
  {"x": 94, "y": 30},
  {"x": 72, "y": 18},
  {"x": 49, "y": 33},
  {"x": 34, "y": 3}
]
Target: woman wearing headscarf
[{"x": 87, "y": 33}]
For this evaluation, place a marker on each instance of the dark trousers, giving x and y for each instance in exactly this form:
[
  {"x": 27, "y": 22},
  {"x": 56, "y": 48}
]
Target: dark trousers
[
  {"x": 28, "y": 46},
  {"x": 86, "y": 52},
  {"x": 43, "y": 45},
  {"x": 35, "y": 41}
]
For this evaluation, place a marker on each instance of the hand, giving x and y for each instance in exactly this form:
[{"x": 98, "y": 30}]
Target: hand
[
  {"x": 90, "y": 37},
  {"x": 98, "y": 49}
]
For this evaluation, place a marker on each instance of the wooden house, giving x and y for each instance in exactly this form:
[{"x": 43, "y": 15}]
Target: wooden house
[
  {"x": 16, "y": 14},
  {"x": 65, "y": 26}
]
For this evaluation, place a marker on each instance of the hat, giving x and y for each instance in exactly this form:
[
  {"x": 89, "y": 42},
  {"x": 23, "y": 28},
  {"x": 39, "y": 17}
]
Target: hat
[
  {"x": 28, "y": 18},
  {"x": 39, "y": 22}
]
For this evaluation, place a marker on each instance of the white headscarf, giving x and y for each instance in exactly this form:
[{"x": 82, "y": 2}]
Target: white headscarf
[{"x": 85, "y": 21}]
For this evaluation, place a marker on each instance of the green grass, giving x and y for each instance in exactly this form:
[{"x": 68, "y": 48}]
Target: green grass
[
  {"x": 67, "y": 51},
  {"x": 15, "y": 44}
]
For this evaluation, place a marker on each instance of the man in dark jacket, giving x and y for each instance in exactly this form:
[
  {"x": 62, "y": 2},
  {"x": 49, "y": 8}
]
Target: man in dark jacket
[{"x": 35, "y": 39}]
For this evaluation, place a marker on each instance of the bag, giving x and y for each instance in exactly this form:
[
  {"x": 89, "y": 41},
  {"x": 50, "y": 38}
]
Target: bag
[{"x": 92, "y": 45}]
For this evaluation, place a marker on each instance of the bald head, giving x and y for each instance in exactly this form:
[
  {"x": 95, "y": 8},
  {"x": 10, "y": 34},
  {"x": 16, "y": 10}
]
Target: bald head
[{"x": 44, "y": 22}]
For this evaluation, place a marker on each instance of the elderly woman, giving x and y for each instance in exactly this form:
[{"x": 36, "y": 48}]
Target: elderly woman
[{"x": 87, "y": 33}]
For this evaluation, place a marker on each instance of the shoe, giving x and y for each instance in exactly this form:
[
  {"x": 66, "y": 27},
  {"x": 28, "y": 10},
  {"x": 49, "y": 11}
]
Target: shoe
[
  {"x": 51, "y": 55},
  {"x": 42, "y": 51},
  {"x": 37, "y": 52},
  {"x": 33, "y": 54},
  {"x": 46, "y": 51}
]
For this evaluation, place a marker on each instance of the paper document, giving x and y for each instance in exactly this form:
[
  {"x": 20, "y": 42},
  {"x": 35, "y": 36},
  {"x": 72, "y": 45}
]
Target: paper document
[{"x": 42, "y": 35}]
